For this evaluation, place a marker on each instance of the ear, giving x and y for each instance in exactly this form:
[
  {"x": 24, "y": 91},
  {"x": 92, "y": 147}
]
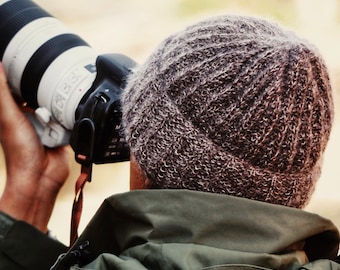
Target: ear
[{"x": 138, "y": 179}]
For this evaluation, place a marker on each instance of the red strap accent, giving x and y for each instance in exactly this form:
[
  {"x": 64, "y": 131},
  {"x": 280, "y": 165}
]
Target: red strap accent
[{"x": 77, "y": 208}]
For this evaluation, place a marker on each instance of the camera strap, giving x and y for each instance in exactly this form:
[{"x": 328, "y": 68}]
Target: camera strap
[{"x": 85, "y": 176}]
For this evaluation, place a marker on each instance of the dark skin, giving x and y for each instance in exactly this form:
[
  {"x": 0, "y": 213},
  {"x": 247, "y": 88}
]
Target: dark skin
[{"x": 35, "y": 174}]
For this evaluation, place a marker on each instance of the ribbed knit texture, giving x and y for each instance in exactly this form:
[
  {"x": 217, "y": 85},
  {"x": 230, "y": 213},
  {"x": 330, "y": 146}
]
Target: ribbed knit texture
[{"x": 233, "y": 105}]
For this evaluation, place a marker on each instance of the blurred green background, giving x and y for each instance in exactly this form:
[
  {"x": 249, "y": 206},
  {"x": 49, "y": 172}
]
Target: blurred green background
[{"x": 136, "y": 27}]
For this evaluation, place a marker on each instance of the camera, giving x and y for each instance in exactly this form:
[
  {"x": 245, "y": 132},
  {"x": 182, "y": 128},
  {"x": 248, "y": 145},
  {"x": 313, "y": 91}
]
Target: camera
[{"x": 75, "y": 92}]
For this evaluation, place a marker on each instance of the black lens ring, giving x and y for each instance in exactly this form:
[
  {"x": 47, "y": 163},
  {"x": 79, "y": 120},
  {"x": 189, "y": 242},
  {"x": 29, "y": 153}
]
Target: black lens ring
[
  {"x": 14, "y": 15},
  {"x": 41, "y": 60}
]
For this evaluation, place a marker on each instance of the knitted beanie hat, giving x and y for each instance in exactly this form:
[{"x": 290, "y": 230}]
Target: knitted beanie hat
[{"x": 233, "y": 105}]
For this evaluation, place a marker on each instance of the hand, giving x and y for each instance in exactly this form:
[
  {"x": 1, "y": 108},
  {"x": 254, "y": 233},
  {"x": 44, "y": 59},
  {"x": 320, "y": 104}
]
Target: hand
[{"x": 35, "y": 174}]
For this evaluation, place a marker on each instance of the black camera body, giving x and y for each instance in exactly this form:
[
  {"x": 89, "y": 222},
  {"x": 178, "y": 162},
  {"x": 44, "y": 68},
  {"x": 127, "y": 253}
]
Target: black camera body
[{"x": 98, "y": 135}]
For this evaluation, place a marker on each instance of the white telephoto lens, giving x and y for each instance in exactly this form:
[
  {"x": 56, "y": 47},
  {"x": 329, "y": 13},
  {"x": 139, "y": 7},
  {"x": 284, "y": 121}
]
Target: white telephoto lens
[{"x": 46, "y": 64}]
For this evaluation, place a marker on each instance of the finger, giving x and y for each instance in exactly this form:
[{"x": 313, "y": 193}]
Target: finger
[{"x": 8, "y": 107}]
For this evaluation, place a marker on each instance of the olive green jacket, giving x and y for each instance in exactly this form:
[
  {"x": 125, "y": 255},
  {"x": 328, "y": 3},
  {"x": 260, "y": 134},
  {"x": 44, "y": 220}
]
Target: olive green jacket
[{"x": 178, "y": 229}]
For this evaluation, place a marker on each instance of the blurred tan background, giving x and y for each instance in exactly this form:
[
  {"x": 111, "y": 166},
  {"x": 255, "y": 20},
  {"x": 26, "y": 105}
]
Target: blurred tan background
[{"x": 135, "y": 27}]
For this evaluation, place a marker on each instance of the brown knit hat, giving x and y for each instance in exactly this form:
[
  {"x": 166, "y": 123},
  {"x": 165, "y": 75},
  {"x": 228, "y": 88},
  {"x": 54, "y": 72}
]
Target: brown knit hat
[{"x": 233, "y": 105}]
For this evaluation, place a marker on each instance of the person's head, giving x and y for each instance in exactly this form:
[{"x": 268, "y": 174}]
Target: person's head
[{"x": 232, "y": 105}]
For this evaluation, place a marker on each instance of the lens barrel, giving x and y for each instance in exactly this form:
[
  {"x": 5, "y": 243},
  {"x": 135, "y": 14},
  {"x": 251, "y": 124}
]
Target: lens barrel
[{"x": 46, "y": 64}]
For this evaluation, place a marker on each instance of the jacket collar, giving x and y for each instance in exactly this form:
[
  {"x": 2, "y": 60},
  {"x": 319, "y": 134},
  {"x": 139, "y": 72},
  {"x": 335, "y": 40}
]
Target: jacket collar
[{"x": 157, "y": 217}]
